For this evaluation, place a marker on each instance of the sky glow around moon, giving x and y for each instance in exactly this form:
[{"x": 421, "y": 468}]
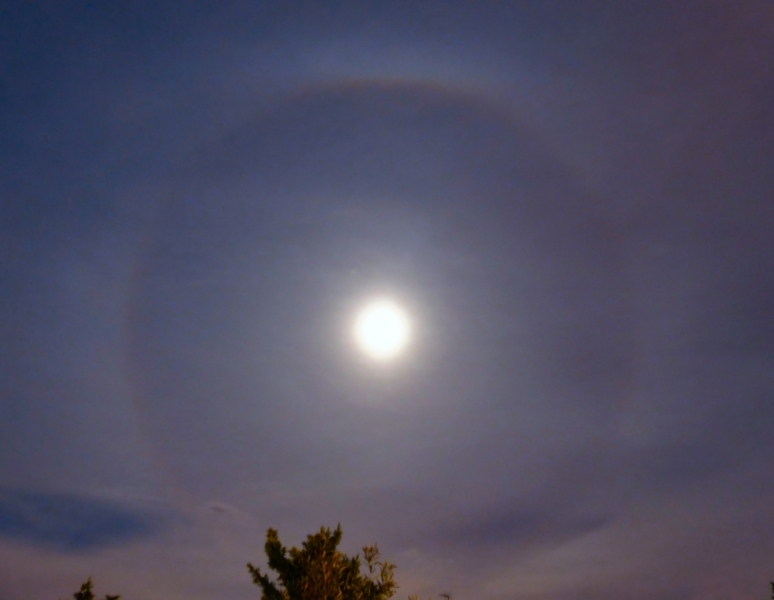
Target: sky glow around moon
[{"x": 382, "y": 330}]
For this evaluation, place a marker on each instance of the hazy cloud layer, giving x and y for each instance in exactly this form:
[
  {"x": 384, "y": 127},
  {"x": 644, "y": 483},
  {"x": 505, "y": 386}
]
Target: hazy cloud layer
[{"x": 574, "y": 202}]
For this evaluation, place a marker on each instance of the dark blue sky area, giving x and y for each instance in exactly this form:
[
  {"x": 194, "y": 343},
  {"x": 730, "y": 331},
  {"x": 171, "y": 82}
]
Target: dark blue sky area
[{"x": 573, "y": 203}]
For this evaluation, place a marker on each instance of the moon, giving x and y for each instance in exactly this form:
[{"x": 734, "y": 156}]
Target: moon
[{"x": 382, "y": 330}]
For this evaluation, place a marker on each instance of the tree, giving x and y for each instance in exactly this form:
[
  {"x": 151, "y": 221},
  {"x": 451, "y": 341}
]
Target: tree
[
  {"x": 318, "y": 571},
  {"x": 85, "y": 592}
]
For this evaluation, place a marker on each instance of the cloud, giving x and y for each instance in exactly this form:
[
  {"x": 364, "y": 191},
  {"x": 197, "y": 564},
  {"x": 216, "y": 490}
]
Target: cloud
[
  {"x": 523, "y": 524},
  {"x": 74, "y": 523}
]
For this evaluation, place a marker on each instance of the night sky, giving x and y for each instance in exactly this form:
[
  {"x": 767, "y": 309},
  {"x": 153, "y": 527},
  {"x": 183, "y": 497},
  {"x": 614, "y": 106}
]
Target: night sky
[{"x": 573, "y": 201}]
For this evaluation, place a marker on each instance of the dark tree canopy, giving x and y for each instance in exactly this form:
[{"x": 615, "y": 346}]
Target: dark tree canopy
[
  {"x": 85, "y": 592},
  {"x": 318, "y": 571}
]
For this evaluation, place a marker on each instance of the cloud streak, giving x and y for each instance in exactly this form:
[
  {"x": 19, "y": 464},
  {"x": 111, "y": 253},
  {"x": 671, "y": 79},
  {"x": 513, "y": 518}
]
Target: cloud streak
[{"x": 75, "y": 523}]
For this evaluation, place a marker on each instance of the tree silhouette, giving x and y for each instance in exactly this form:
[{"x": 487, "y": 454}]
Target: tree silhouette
[
  {"x": 85, "y": 592},
  {"x": 318, "y": 571}
]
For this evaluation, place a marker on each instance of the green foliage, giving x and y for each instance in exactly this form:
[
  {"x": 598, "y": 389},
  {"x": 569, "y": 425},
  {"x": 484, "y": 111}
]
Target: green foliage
[
  {"x": 318, "y": 571},
  {"x": 85, "y": 592}
]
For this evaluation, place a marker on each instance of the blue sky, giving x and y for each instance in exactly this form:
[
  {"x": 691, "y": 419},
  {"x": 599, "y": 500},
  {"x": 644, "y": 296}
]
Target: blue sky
[{"x": 573, "y": 203}]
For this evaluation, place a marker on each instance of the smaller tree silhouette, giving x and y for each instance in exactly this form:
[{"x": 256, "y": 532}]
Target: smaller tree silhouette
[
  {"x": 318, "y": 571},
  {"x": 85, "y": 592}
]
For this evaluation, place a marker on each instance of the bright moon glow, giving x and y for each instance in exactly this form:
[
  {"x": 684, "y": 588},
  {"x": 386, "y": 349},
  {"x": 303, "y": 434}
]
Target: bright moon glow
[{"x": 382, "y": 330}]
